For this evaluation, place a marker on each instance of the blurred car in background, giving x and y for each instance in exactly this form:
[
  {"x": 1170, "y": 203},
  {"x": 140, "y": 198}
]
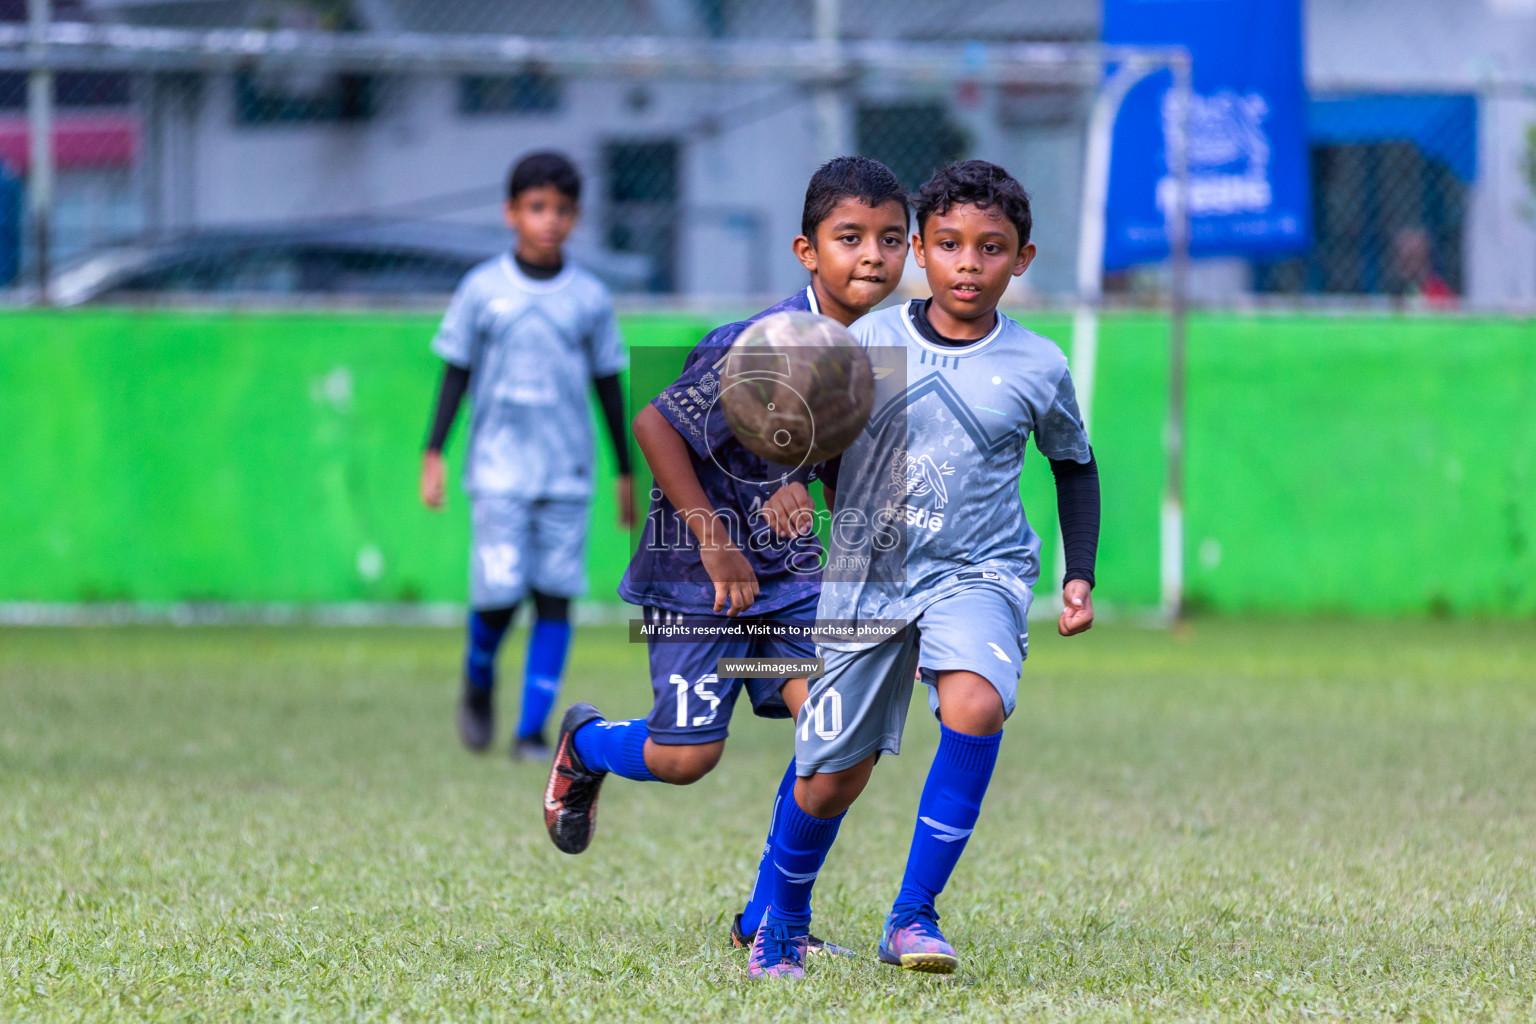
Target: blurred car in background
[{"x": 360, "y": 259}]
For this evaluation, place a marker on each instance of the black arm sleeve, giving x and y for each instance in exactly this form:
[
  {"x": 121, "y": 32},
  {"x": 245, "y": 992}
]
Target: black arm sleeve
[
  {"x": 1077, "y": 506},
  {"x": 449, "y": 395},
  {"x": 827, "y": 471},
  {"x": 611, "y": 397}
]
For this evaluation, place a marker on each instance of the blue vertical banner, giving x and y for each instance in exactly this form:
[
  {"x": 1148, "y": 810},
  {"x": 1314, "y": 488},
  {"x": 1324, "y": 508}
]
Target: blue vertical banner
[
  {"x": 10, "y": 225},
  {"x": 1247, "y": 143}
]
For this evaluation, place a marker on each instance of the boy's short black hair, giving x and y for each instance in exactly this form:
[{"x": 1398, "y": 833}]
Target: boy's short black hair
[
  {"x": 548, "y": 168},
  {"x": 849, "y": 177},
  {"x": 979, "y": 183}
]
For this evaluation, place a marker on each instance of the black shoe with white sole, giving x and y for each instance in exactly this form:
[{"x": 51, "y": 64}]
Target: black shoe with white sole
[{"x": 570, "y": 798}]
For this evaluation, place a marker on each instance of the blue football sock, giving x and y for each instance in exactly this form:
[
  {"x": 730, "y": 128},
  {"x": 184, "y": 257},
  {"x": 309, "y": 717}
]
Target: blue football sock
[
  {"x": 547, "y": 645},
  {"x": 947, "y": 813},
  {"x": 762, "y": 885},
  {"x": 800, "y": 845},
  {"x": 485, "y": 632},
  {"x": 617, "y": 747}
]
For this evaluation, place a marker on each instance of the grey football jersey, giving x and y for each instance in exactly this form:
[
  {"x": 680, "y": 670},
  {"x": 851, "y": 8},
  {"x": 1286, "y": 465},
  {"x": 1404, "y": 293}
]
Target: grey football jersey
[
  {"x": 928, "y": 495},
  {"x": 532, "y": 349}
]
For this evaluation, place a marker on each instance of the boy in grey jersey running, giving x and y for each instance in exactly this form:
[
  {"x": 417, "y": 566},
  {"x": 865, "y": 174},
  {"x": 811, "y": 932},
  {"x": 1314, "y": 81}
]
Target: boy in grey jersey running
[
  {"x": 527, "y": 334},
  {"x": 928, "y": 530}
]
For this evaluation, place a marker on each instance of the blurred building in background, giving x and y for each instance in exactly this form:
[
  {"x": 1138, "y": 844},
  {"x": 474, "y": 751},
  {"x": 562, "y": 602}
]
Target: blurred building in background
[
  {"x": 285, "y": 179},
  {"x": 1421, "y": 119}
]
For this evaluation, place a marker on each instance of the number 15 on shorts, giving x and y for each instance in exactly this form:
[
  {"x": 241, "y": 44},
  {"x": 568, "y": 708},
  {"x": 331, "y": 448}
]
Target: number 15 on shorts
[{"x": 705, "y": 696}]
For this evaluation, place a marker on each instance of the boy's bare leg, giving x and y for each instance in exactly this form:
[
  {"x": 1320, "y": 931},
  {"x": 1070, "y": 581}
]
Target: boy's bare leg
[
  {"x": 828, "y": 794},
  {"x": 682, "y": 764},
  {"x": 969, "y": 704},
  {"x": 794, "y": 693}
]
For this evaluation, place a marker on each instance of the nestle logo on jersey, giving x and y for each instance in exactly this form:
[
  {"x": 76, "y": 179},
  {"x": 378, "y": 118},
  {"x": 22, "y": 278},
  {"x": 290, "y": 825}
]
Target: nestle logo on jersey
[{"x": 913, "y": 515}]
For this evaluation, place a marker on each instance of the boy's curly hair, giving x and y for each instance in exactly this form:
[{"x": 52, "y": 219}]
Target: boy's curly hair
[{"x": 979, "y": 183}]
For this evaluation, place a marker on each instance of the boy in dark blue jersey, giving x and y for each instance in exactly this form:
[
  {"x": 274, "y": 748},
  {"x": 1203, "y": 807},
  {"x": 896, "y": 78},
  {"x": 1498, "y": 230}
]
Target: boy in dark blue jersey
[{"x": 730, "y": 536}]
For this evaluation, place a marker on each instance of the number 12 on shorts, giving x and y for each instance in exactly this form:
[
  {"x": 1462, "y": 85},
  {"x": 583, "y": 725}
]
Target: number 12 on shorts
[{"x": 703, "y": 694}]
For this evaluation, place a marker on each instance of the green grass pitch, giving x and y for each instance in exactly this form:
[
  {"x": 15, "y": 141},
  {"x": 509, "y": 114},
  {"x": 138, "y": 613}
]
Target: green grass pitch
[{"x": 1239, "y": 821}]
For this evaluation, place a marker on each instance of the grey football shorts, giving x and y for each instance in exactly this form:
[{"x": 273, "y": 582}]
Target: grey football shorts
[
  {"x": 859, "y": 707},
  {"x": 517, "y": 545}
]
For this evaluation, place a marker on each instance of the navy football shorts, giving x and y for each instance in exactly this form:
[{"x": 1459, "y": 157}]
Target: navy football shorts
[{"x": 692, "y": 704}]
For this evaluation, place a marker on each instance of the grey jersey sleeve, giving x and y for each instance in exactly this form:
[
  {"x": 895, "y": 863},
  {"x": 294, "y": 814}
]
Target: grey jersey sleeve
[
  {"x": 455, "y": 340},
  {"x": 607, "y": 346},
  {"x": 1059, "y": 430}
]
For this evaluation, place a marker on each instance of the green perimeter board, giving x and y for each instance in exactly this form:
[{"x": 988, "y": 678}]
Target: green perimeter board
[
  {"x": 1366, "y": 465},
  {"x": 1345, "y": 464}
]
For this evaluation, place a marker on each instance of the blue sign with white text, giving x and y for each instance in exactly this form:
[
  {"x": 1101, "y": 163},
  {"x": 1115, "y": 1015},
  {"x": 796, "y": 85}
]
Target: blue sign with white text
[{"x": 1247, "y": 142}]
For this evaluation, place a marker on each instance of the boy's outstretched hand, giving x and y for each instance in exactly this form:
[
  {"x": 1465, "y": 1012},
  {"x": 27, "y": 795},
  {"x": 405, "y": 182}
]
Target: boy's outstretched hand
[
  {"x": 735, "y": 583},
  {"x": 1076, "y": 608},
  {"x": 624, "y": 499},
  {"x": 790, "y": 512},
  {"x": 432, "y": 480}
]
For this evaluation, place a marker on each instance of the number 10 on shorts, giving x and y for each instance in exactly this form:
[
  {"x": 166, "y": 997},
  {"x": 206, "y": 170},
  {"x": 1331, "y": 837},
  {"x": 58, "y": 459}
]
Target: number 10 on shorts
[{"x": 826, "y": 714}]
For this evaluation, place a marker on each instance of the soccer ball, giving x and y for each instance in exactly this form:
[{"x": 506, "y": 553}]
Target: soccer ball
[{"x": 796, "y": 388}]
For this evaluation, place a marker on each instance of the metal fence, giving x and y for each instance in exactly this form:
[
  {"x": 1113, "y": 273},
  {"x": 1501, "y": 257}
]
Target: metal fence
[
  {"x": 1391, "y": 179},
  {"x": 360, "y": 150},
  {"x": 356, "y": 149}
]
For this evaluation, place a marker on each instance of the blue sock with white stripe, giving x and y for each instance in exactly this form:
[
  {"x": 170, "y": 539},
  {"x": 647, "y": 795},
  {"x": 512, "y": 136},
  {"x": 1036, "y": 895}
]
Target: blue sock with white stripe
[
  {"x": 800, "y": 845},
  {"x": 617, "y": 747},
  {"x": 947, "y": 813},
  {"x": 547, "y": 647},
  {"x": 762, "y": 885}
]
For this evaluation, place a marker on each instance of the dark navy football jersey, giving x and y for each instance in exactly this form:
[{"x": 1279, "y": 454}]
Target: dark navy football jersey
[{"x": 666, "y": 572}]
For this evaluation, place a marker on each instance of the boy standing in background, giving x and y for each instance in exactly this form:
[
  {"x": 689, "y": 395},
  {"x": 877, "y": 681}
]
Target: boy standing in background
[{"x": 527, "y": 333}]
